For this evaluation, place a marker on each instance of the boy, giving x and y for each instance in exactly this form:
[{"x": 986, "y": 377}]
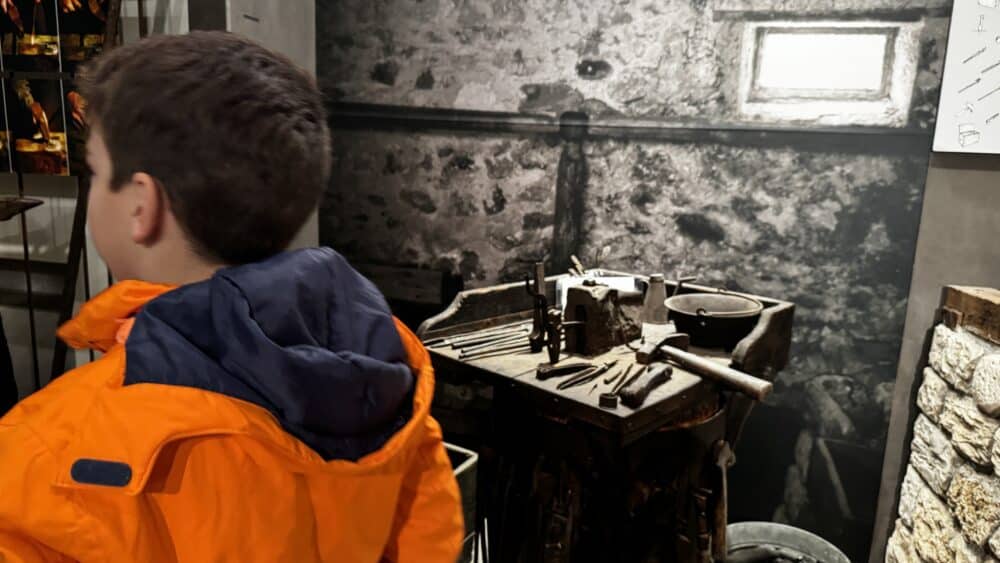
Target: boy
[{"x": 251, "y": 405}]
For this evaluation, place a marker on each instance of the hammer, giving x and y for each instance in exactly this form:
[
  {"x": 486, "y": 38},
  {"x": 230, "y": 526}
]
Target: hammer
[{"x": 674, "y": 347}]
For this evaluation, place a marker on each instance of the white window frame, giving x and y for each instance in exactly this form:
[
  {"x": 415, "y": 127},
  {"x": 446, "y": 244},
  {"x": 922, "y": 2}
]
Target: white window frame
[{"x": 887, "y": 105}]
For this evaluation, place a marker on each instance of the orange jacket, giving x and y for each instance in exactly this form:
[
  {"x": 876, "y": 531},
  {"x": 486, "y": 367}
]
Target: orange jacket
[{"x": 97, "y": 468}]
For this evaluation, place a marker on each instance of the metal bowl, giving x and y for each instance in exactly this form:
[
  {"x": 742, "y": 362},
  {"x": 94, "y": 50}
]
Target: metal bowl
[{"x": 714, "y": 320}]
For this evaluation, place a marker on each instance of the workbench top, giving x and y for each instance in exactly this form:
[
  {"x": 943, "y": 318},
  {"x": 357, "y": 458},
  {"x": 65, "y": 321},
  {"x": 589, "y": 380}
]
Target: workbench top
[{"x": 683, "y": 399}]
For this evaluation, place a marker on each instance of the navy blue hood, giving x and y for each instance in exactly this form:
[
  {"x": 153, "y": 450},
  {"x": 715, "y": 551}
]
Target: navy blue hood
[{"x": 302, "y": 334}]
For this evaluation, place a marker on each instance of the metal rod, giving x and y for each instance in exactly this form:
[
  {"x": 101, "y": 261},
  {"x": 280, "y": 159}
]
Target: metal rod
[
  {"x": 447, "y": 340},
  {"x": 587, "y": 376},
  {"x": 27, "y": 283},
  {"x": 525, "y": 348},
  {"x": 626, "y": 381},
  {"x": 489, "y": 338},
  {"x": 510, "y": 346},
  {"x": 86, "y": 286},
  {"x": 490, "y": 343}
]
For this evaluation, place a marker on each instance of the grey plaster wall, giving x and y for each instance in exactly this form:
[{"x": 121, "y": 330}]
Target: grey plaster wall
[{"x": 829, "y": 226}]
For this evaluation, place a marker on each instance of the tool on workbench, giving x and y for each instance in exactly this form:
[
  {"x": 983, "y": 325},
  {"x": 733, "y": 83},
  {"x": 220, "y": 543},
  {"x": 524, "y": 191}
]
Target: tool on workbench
[
  {"x": 549, "y": 371},
  {"x": 627, "y": 379},
  {"x": 541, "y": 307},
  {"x": 478, "y": 334},
  {"x": 595, "y": 321},
  {"x": 654, "y": 311},
  {"x": 634, "y": 394},
  {"x": 554, "y": 335},
  {"x": 524, "y": 349},
  {"x": 515, "y": 346},
  {"x": 673, "y": 347},
  {"x": 613, "y": 378},
  {"x": 519, "y": 333},
  {"x": 517, "y": 338},
  {"x": 608, "y": 401},
  {"x": 586, "y": 376}
]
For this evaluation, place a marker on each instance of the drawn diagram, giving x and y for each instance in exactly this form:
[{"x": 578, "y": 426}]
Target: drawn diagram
[
  {"x": 969, "y": 112},
  {"x": 968, "y": 135}
]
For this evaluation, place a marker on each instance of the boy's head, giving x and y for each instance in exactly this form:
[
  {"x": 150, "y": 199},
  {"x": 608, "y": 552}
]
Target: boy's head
[{"x": 205, "y": 150}]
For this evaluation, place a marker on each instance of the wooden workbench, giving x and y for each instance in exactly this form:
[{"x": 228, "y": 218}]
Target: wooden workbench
[{"x": 562, "y": 479}]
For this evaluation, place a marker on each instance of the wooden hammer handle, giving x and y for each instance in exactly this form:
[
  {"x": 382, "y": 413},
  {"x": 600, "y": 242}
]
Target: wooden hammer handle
[{"x": 745, "y": 383}]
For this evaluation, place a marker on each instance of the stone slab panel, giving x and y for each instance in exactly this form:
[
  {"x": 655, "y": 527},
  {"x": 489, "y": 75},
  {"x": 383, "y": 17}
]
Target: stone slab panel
[
  {"x": 900, "y": 547},
  {"x": 909, "y": 494},
  {"x": 933, "y": 529},
  {"x": 932, "y": 393},
  {"x": 932, "y": 455},
  {"x": 986, "y": 385},
  {"x": 971, "y": 431},
  {"x": 974, "y": 499},
  {"x": 955, "y": 353}
]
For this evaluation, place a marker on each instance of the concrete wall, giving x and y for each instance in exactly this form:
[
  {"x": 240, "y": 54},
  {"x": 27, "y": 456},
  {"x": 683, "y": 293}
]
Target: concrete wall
[
  {"x": 828, "y": 223},
  {"x": 958, "y": 245}
]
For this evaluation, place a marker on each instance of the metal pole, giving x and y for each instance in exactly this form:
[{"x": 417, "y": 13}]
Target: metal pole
[{"x": 27, "y": 283}]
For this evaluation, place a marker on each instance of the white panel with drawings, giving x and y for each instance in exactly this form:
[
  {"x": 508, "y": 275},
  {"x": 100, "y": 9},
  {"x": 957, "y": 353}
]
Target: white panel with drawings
[{"x": 968, "y": 117}]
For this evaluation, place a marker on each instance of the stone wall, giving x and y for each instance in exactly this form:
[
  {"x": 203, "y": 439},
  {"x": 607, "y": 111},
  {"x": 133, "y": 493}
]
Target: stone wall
[{"x": 949, "y": 504}]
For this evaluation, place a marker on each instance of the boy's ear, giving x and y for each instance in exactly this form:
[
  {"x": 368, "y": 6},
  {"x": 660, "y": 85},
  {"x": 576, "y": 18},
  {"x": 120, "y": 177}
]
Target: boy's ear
[{"x": 148, "y": 206}]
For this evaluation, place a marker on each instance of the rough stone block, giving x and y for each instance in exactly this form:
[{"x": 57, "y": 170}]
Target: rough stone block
[
  {"x": 994, "y": 543},
  {"x": 995, "y": 453},
  {"x": 930, "y": 397},
  {"x": 971, "y": 431},
  {"x": 932, "y": 455},
  {"x": 986, "y": 384},
  {"x": 966, "y": 552},
  {"x": 955, "y": 353},
  {"x": 913, "y": 486},
  {"x": 900, "y": 546},
  {"x": 933, "y": 529},
  {"x": 974, "y": 499}
]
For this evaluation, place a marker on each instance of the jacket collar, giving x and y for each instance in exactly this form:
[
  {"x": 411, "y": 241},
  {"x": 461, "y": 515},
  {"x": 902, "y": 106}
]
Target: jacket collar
[
  {"x": 104, "y": 320},
  {"x": 130, "y": 426}
]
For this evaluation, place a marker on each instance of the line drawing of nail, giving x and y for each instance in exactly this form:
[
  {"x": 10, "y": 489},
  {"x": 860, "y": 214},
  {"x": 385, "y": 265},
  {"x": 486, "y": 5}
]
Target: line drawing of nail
[
  {"x": 988, "y": 94},
  {"x": 991, "y": 67},
  {"x": 991, "y": 118},
  {"x": 977, "y": 81},
  {"x": 974, "y": 55}
]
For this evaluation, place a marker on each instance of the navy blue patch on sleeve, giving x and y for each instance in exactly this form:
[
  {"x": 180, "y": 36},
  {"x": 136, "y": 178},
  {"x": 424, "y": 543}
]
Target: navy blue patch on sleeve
[{"x": 99, "y": 472}]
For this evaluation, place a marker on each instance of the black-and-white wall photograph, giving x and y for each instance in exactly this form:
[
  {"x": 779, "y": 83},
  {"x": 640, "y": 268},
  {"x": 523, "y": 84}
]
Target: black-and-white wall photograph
[
  {"x": 777, "y": 148},
  {"x": 500, "y": 281}
]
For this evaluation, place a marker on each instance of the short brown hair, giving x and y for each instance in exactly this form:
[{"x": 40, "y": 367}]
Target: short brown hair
[{"x": 235, "y": 134}]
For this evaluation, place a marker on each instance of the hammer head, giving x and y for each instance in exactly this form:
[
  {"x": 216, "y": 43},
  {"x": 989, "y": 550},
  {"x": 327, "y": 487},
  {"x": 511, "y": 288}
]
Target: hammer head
[{"x": 650, "y": 352}]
